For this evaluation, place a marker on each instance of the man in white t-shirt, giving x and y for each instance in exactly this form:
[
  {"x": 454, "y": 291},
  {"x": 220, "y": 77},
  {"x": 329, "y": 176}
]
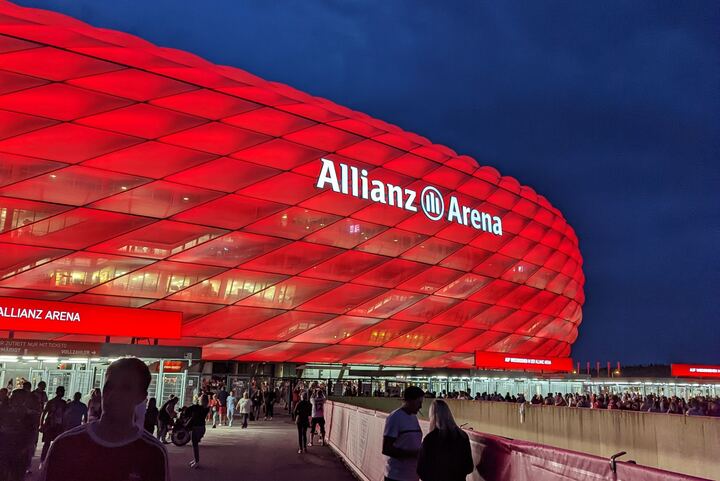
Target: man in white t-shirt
[{"x": 402, "y": 438}]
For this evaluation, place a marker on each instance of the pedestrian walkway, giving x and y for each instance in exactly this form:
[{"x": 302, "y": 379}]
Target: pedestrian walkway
[{"x": 265, "y": 451}]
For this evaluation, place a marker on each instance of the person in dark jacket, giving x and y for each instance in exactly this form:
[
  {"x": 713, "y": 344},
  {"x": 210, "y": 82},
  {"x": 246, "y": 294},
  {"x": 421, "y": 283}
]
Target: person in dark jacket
[
  {"x": 197, "y": 414},
  {"x": 151, "y": 416},
  {"x": 302, "y": 419},
  {"x": 445, "y": 453}
]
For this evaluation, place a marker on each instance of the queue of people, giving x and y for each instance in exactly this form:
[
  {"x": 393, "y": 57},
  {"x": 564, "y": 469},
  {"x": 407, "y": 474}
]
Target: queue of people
[
  {"x": 25, "y": 414},
  {"x": 627, "y": 401}
]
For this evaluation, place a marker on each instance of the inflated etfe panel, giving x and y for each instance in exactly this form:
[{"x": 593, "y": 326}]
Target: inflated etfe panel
[{"x": 283, "y": 226}]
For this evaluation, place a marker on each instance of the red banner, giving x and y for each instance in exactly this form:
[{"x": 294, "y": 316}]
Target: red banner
[
  {"x": 694, "y": 370},
  {"x": 69, "y": 318},
  {"x": 514, "y": 362}
]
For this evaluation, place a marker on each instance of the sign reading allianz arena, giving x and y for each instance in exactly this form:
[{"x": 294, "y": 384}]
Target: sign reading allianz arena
[{"x": 282, "y": 226}]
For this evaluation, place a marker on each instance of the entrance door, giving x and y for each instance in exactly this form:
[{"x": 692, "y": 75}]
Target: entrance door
[
  {"x": 192, "y": 387},
  {"x": 37, "y": 375},
  {"x": 56, "y": 379},
  {"x": 172, "y": 383},
  {"x": 81, "y": 383}
]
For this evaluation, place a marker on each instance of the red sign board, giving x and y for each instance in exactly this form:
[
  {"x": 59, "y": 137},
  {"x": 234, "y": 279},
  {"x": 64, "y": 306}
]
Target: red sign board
[
  {"x": 69, "y": 318},
  {"x": 174, "y": 366},
  {"x": 515, "y": 362},
  {"x": 694, "y": 370}
]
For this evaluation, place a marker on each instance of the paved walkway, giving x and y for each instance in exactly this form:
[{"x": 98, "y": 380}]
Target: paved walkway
[{"x": 265, "y": 451}]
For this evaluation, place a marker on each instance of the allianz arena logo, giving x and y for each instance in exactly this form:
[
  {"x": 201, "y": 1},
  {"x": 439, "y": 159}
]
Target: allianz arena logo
[{"x": 350, "y": 180}]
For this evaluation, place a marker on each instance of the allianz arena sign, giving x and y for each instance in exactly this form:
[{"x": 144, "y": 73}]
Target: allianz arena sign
[{"x": 351, "y": 180}]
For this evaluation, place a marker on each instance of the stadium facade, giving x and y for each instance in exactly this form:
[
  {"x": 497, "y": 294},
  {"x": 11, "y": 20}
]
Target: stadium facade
[{"x": 148, "y": 196}]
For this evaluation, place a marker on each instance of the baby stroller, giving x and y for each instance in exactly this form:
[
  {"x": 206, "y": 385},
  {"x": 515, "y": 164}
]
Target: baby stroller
[{"x": 181, "y": 431}]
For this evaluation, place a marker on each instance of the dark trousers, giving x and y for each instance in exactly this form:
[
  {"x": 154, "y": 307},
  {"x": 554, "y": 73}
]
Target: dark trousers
[
  {"x": 302, "y": 436},
  {"x": 45, "y": 449},
  {"x": 317, "y": 422},
  {"x": 269, "y": 410},
  {"x": 245, "y": 417},
  {"x": 196, "y": 435},
  {"x": 162, "y": 430}
]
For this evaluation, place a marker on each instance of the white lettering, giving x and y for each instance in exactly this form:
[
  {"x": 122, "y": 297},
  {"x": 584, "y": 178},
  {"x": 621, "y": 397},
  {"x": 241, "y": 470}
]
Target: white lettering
[
  {"x": 410, "y": 201},
  {"x": 475, "y": 219},
  {"x": 395, "y": 195},
  {"x": 328, "y": 175},
  {"x": 377, "y": 193},
  {"x": 354, "y": 181},
  {"x": 486, "y": 222},
  {"x": 454, "y": 211},
  {"x": 497, "y": 225},
  {"x": 520, "y": 360},
  {"x": 64, "y": 316}
]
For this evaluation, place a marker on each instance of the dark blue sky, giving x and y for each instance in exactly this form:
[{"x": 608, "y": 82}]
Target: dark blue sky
[{"x": 609, "y": 109}]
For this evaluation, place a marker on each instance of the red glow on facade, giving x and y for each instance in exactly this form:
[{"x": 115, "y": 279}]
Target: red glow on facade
[{"x": 147, "y": 178}]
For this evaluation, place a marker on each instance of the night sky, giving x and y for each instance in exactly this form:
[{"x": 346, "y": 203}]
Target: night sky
[{"x": 609, "y": 109}]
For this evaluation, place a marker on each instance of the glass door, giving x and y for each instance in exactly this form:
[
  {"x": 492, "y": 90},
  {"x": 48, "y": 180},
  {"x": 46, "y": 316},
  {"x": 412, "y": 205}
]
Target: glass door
[
  {"x": 192, "y": 388},
  {"x": 172, "y": 383},
  {"x": 56, "y": 379}
]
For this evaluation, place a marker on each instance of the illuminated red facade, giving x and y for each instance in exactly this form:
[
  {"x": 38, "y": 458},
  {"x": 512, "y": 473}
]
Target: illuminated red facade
[{"x": 138, "y": 176}]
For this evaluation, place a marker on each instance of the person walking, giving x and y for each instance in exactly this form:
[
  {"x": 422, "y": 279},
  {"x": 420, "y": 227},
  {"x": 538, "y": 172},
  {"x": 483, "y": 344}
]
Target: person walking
[
  {"x": 95, "y": 405},
  {"x": 303, "y": 410},
  {"x": 318, "y": 415},
  {"x": 245, "y": 408},
  {"x": 51, "y": 420},
  {"x": 214, "y": 405},
  {"x": 197, "y": 414},
  {"x": 166, "y": 416},
  {"x": 293, "y": 402},
  {"x": 151, "y": 416},
  {"x": 112, "y": 448},
  {"x": 222, "y": 396},
  {"x": 36, "y": 405},
  {"x": 256, "y": 399},
  {"x": 269, "y": 399},
  {"x": 230, "y": 407},
  {"x": 40, "y": 394},
  {"x": 75, "y": 413},
  {"x": 445, "y": 453},
  {"x": 402, "y": 438}
]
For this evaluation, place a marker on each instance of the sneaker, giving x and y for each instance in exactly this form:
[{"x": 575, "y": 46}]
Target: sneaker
[
  {"x": 192, "y": 463},
  {"x": 300, "y": 451},
  {"x": 310, "y": 444}
]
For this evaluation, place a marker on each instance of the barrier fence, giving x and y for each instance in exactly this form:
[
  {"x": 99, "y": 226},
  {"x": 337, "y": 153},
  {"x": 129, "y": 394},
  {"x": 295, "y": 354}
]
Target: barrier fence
[{"x": 355, "y": 433}]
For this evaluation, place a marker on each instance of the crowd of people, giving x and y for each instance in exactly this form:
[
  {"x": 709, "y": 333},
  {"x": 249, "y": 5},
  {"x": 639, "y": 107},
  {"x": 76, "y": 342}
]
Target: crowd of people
[
  {"x": 29, "y": 416},
  {"x": 627, "y": 401},
  {"x": 81, "y": 441}
]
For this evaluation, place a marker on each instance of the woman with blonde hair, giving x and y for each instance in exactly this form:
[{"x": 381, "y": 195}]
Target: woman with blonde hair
[{"x": 445, "y": 453}]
